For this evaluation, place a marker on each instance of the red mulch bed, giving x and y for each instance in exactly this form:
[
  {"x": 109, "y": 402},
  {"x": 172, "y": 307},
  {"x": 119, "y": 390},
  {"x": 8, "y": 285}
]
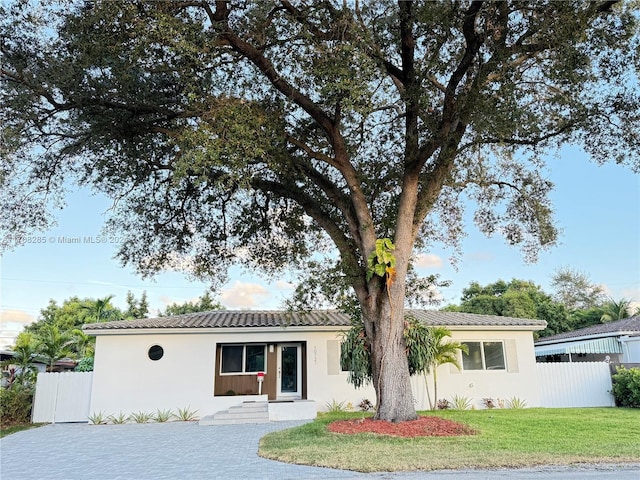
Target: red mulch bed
[{"x": 422, "y": 427}]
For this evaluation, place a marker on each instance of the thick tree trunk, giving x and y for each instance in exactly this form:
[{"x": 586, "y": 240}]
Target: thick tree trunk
[{"x": 384, "y": 326}]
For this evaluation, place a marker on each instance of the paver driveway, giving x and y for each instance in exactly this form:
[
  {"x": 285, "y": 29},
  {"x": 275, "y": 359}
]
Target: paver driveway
[{"x": 187, "y": 451}]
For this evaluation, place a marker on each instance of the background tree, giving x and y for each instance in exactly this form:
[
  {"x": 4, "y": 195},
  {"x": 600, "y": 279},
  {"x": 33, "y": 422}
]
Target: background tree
[
  {"x": 575, "y": 290},
  {"x": 517, "y": 298},
  {"x": 136, "y": 308},
  {"x": 204, "y": 304},
  {"x": 101, "y": 310},
  {"x": 75, "y": 312},
  {"x": 69, "y": 317},
  {"x": 263, "y": 132},
  {"x": 71, "y": 314},
  {"x": 524, "y": 299}
]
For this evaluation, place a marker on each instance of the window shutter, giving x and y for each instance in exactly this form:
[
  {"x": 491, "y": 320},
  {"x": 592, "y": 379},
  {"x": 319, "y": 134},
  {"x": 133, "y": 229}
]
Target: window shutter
[
  {"x": 333, "y": 357},
  {"x": 512, "y": 356}
]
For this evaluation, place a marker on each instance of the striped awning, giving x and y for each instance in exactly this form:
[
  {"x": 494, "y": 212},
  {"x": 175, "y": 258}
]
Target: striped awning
[{"x": 598, "y": 345}]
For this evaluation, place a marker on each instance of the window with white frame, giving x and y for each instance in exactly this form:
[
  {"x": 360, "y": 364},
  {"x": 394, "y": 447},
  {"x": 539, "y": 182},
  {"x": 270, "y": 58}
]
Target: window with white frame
[
  {"x": 241, "y": 359},
  {"x": 484, "y": 356}
]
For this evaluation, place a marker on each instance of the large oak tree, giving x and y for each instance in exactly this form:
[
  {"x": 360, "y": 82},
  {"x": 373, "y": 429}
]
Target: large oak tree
[{"x": 275, "y": 132}]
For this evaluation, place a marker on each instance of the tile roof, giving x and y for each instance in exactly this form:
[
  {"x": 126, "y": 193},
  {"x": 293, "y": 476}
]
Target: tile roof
[
  {"x": 626, "y": 326},
  {"x": 459, "y": 319},
  {"x": 315, "y": 318}
]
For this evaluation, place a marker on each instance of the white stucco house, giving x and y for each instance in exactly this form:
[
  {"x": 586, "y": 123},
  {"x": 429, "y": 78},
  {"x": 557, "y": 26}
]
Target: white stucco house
[
  {"x": 211, "y": 361},
  {"x": 614, "y": 342}
]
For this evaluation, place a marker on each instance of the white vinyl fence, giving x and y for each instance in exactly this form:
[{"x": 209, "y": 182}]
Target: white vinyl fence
[
  {"x": 62, "y": 397},
  {"x": 577, "y": 384}
]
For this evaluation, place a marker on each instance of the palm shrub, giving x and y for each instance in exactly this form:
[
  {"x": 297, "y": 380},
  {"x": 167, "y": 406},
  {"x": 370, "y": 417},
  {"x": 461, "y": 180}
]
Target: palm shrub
[
  {"x": 442, "y": 352},
  {"x": 616, "y": 310},
  {"x": 626, "y": 387},
  {"x": 23, "y": 354},
  {"x": 53, "y": 344}
]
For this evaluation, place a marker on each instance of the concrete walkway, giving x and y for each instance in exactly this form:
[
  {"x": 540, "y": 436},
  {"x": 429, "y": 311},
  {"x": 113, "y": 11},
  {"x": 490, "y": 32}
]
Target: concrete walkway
[{"x": 187, "y": 451}]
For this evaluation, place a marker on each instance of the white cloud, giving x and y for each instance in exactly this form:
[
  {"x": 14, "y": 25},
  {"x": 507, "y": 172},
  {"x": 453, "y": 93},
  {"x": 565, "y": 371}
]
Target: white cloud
[
  {"x": 428, "y": 260},
  {"x": 632, "y": 294},
  {"x": 166, "y": 300},
  {"x": 282, "y": 285},
  {"x": 11, "y": 324},
  {"x": 243, "y": 295}
]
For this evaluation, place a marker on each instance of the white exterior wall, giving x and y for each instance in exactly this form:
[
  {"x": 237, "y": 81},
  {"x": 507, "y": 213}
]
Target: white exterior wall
[
  {"x": 518, "y": 380},
  {"x": 126, "y": 380}
]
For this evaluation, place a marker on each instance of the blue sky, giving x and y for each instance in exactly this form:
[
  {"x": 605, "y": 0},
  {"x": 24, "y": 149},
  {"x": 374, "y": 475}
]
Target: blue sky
[{"x": 597, "y": 207}]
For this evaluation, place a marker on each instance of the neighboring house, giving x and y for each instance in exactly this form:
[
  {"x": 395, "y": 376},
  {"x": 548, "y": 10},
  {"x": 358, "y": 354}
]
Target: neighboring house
[
  {"x": 616, "y": 342},
  {"x": 40, "y": 362},
  {"x": 210, "y": 361},
  {"x": 10, "y": 370}
]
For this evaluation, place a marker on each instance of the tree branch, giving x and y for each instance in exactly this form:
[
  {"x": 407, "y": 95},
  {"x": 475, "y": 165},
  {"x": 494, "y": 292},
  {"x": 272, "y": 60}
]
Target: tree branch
[
  {"x": 342, "y": 162},
  {"x": 346, "y": 247}
]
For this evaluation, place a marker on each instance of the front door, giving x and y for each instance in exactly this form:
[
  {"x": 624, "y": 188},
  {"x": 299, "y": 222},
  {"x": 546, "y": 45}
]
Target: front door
[{"x": 289, "y": 371}]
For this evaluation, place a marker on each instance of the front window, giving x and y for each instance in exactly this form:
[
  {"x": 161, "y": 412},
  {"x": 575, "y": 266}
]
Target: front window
[
  {"x": 483, "y": 356},
  {"x": 254, "y": 355},
  {"x": 239, "y": 359}
]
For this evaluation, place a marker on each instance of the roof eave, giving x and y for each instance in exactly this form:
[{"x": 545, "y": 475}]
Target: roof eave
[
  {"x": 523, "y": 328},
  {"x": 212, "y": 330},
  {"x": 586, "y": 337},
  {"x": 308, "y": 328}
]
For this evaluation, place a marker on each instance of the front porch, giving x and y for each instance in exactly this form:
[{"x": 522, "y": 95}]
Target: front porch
[
  {"x": 263, "y": 412},
  {"x": 281, "y": 367}
]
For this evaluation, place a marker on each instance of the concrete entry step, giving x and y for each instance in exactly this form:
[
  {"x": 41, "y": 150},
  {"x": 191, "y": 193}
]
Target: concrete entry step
[{"x": 247, "y": 412}]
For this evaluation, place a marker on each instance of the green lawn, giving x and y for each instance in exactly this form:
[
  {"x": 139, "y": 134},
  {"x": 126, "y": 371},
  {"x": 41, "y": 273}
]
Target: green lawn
[
  {"x": 506, "y": 438},
  {"x": 4, "y": 431}
]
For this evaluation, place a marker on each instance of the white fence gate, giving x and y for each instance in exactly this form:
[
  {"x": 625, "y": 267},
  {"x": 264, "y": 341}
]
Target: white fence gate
[
  {"x": 577, "y": 384},
  {"x": 62, "y": 397}
]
